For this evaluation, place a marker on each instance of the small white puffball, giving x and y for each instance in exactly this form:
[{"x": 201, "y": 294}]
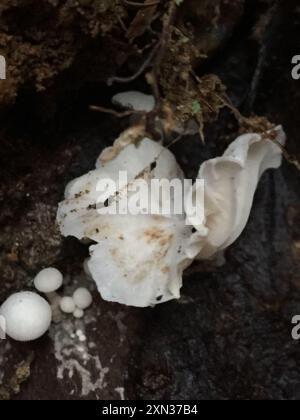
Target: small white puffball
[
  {"x": 27, "y": 315},
  {"x": 82, "y": 298},
  {"x": 67, "y": 305},
  {"x": 78, "y": 313},
  {"x": 48, "y": 280}
]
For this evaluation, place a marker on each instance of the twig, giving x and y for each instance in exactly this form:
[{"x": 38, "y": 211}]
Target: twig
[
  {"x": 290, "y": 159},
  {"x": 164, "y": 42},
  {"x": 122, "y": 24},
  {"x": 136, "y": 4},
  {"x": 140, "y": 71},
  {"x": 175, "y": 141},
  {"x": 115, "y": 113},
  {"x": 166, "y": 33}
]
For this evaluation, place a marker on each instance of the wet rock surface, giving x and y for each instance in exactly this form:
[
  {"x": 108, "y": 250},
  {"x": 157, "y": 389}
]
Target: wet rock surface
[{"x": 229, "y": 337}]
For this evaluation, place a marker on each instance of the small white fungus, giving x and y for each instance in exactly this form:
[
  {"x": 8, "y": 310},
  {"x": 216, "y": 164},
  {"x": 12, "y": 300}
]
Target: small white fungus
[
  {"x": 137, "y": 101},
  {"x": 67, "y": 305},
  {"x": 27, "y": 315},
  {"x": 48, "y": 280},
  {"x": 78, "y": 313},
  {"x": 81, "y": 336},
  {"x": 82, "y": 298}
]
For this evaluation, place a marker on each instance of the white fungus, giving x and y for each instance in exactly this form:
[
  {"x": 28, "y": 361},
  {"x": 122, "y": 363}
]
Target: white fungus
[
  {"x": 138, "y": 260},
  {"x": 78, "y": 313},
  {"x": 27, "y": 315},
  {"x": 81, "y": 336},
  {"x": 230, "y": 185},
  {"x": 48, "y": 280},
  {"x": 137, "y": 101},
  {"x": 67, "y": 305},
  {"x": 82, "y": 298}
]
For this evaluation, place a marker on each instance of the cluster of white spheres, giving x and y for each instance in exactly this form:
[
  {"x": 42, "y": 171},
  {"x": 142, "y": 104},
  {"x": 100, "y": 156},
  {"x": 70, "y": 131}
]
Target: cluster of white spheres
[
  {"x": 76, "y": 304},
  {"x": 28, "y": 316}
]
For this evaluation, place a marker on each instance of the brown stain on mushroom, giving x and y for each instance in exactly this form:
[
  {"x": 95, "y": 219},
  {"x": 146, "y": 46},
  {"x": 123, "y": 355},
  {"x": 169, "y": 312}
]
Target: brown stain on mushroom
[
  {"x": 155, "y": 239},
  {"x": 162, "y": 239},
  {"x": 114, "y": 252},
  {"x": 158, "y": 241},
  {"x": 165, "y": 270},
  {"x": 158, "y": 235}
]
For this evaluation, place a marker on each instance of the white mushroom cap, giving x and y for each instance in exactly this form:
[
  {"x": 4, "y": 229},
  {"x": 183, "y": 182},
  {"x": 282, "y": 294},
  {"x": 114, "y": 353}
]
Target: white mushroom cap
[
  {"x": 67, "y": 305},
  {"x": 27, "y": 315},
  {"x": 48, "y": 280},
  {"x": 137, "y": 101},
  {"x": 82, "y": 298}
]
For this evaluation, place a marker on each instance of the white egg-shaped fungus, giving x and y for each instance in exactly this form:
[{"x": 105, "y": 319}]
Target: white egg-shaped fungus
[
  {"x": 82, "y": 298},
  {"x": 138, "y": 259},
  {"x": 67, "y": 305},
  {"x": 48, "y": 280}
]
